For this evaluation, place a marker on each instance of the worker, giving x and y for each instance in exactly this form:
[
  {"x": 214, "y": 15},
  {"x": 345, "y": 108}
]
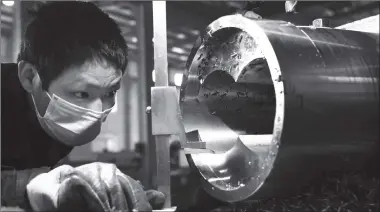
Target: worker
[{"x": 71, "y": 61}]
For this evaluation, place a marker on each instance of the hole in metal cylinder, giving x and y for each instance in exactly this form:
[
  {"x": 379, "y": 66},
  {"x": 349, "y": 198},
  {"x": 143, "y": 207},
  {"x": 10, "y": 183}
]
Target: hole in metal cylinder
[{"x": 234, "y": 111}]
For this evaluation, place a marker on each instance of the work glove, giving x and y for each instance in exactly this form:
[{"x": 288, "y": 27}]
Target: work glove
[{"x": 95, "y": 187}]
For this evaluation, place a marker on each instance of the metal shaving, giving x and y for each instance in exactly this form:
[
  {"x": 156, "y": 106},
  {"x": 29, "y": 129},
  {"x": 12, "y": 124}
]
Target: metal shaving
[{"x": 334, "y": 192}]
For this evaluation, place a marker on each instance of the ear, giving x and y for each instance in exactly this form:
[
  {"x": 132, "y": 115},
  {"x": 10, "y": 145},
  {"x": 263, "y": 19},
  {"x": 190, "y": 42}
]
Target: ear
[{"x": 26, "y": 75}]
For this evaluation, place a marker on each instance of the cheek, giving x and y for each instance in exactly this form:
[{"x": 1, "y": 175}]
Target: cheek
[
  {"x": 109, "y": 103},
  {"x": 59, "y": 88},
  {"x": 59, "y": 91},
  {"x": 63, "y": 92}
]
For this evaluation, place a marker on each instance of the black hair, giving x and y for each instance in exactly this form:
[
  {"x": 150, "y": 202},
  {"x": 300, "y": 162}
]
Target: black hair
[{"x": 67, "y": 33}]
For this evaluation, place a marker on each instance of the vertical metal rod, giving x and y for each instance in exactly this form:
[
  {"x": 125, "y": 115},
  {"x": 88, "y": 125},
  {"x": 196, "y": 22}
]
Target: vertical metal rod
[
  {"x": 138, "y": 12},
  {"x": 160, "y": 43},
  {"x": 161, "y": 79},
  {"x": 145, "y": 34},
  {"x": 163, "y": 167}
]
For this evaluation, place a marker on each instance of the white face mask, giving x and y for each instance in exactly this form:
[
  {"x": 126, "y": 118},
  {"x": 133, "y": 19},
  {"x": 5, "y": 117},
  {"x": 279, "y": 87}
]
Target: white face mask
[{"x": 67, "y": 121}]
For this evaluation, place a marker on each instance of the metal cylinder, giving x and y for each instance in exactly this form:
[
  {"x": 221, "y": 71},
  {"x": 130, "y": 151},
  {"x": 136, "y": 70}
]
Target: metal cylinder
[{"x": 277, "y": 104}]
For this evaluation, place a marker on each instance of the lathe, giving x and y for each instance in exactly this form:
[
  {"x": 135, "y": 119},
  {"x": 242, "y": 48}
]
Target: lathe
[{"x": 266, "y": 105}]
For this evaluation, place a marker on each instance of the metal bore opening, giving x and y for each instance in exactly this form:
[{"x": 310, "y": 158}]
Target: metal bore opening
[{"x": 233, "y": 111}]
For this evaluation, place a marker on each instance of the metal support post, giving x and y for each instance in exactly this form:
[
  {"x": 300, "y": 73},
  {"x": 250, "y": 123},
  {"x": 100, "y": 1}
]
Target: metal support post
[
  {"x": 159, "y": 114},
  {"x": 145, "y": 33}
]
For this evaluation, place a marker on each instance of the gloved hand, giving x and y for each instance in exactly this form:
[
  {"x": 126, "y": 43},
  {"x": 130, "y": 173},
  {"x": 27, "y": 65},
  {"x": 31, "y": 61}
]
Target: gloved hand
[{"x": 95, "y": 187}]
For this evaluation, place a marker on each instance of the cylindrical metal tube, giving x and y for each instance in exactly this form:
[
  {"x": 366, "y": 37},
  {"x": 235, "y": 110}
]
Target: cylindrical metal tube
[{"x": 278, "y": 104}]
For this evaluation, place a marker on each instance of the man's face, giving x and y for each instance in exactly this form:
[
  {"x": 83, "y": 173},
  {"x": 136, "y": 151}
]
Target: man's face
[{"x": 92, "y": 85}]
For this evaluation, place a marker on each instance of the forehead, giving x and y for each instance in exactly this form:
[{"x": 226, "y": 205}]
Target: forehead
[{"x": 95, "y": 73}]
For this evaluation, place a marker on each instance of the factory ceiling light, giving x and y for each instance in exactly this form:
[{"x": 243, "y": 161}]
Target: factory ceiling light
[
  {"x": 181, "y": 36},
  {"x": 134, "y": 39},
  {"x": 178, "y": 50},
  {"x": 8, "y": 3},
  {"x": 178, "y": 79}
]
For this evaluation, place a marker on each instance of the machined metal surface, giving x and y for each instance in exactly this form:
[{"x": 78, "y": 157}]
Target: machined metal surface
[
  {"x": 276, "y": 104},
  {"x": 369, "y": 24}
]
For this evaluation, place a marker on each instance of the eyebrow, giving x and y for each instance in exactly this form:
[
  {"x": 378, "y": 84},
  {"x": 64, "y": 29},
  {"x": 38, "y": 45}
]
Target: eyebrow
[{"x": 114, "y": 86}]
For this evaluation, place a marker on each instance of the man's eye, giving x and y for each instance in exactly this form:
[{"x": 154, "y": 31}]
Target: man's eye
[
  {"x": 81, "y": 95},
  {"x": 111, "y": 94}
]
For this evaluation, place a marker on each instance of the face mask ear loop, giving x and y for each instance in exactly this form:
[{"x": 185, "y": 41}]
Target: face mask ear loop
[
  {"x": 47, "y": 93},
  {"x": 35, "y": 106},
  {"x": 34, "y": 101}
]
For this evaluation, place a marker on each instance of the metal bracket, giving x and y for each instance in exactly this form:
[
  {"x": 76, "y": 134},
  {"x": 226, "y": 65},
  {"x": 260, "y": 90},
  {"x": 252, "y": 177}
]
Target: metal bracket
[
  {"x": 166, "y": 114},
  {"x": 322, "y": 22},
  {"x": 167, "y": 119},
  {"x": 194, "y": 144}
]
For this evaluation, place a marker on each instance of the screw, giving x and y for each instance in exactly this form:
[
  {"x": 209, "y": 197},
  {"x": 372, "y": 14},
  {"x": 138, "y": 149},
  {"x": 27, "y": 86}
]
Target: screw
[{"x": 148, "y": 110}]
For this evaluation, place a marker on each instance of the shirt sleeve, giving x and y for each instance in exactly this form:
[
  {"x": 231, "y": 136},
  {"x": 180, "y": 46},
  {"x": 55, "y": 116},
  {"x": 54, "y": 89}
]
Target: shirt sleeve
[{"x": 13, "y": 186}]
